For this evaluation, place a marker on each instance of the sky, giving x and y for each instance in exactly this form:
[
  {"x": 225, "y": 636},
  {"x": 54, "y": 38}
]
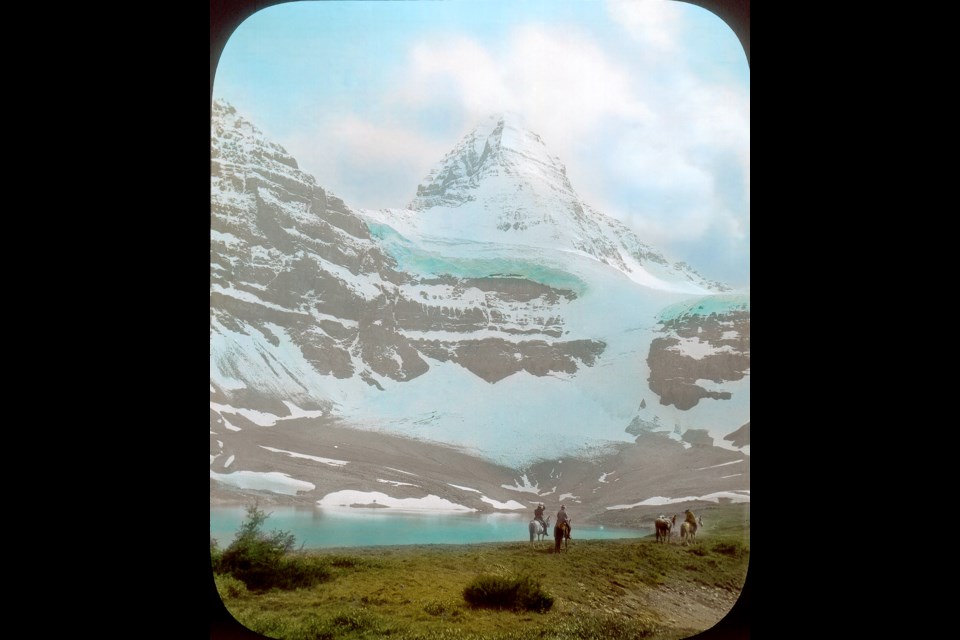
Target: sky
[{"x": 646, "y": 102}]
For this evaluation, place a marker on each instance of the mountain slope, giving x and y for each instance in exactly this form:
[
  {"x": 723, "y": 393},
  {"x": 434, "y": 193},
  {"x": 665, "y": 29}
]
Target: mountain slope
[
  {"x": 515, "y": 348},
  {"x": 309, "y": 315}
]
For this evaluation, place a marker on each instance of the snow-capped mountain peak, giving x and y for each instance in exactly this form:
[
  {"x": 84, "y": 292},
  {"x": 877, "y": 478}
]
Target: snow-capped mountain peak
[
  {"x": 501, "y": 145},
  {"x": 500, "y": 184}
]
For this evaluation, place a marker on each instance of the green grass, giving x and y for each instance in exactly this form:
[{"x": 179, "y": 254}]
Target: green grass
[
  {"x": 598, "y": 589},
  {"x": 513, "y": 592}
]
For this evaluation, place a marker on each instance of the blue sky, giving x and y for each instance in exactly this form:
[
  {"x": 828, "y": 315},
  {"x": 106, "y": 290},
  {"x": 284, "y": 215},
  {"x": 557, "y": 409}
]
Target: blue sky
[{"x": 646, "y": 102}]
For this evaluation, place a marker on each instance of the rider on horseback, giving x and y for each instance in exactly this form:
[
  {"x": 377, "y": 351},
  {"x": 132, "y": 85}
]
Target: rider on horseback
[
  {"x": 538, "y": 516},
  {"x": 562, "y": 517},
  {"x": 561, "y": 531}
]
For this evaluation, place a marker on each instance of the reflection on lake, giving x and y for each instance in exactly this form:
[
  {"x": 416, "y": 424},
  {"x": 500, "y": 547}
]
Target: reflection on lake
[{"x": 317, "y": 527}]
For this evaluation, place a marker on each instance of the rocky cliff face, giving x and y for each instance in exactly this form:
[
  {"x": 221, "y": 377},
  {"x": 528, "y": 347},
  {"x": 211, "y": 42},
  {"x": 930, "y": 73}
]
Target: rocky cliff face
[{"x": 704, "y": 341}]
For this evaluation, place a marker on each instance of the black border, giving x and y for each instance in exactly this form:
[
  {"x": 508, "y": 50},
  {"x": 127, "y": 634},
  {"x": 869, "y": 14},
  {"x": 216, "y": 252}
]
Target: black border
[{"x": 225, "y": 17}]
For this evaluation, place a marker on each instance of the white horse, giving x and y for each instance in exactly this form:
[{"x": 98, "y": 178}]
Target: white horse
[{"x": 536, "y": 529}]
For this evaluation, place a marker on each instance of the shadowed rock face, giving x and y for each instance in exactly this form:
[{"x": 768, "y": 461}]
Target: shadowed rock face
[
  {"x": 740, "y": 437},
  {"x": 715, "y": 348},
  {"x": 294, "y": 270},
  {"x": 494, "y": 359},
  {"x": 698, "y": 437}
]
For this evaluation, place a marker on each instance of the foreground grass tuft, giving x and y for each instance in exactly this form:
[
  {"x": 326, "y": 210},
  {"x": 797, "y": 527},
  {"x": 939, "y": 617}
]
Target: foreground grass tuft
[
  {"x": 345, "y": 623},
  {"x": 229, "y": 586}
]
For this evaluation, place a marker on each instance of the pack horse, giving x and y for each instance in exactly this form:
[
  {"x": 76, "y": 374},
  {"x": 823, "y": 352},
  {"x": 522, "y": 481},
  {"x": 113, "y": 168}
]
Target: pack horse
[
  {"x": 664, "y": 526},
  {"x": 688, "y": 530}
]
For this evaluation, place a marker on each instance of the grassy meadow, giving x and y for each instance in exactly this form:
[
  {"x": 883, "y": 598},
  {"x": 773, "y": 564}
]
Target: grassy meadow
[{"x": 623, "y": 588}]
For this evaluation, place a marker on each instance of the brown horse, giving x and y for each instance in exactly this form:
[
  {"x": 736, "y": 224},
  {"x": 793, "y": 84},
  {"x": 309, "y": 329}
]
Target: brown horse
[
  {"x": 561, "y": 533},
  {"x": 664, "y": 526}
]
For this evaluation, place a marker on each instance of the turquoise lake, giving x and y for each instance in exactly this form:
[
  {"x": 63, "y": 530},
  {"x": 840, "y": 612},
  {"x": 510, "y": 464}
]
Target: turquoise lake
[{"x": 318, "y": 528}]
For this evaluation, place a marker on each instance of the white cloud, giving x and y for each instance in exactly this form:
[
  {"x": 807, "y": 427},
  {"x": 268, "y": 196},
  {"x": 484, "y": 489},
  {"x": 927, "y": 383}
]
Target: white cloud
[
  {"x": 458, "y": 67},
  {"x": 557, "y": 78},
  {"x": 653, "y": 23},
  {"x": 637, "y": 146},
  {"x": 567, "y": 84},
  {"x": 369, "y": 164},
  {"x": 646, "y": 138}
]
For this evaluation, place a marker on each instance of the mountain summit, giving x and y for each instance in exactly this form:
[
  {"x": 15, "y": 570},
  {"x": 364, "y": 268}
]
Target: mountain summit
[
  {"x": 500, "y": 184},
  {"x": 500, "y": 146}
]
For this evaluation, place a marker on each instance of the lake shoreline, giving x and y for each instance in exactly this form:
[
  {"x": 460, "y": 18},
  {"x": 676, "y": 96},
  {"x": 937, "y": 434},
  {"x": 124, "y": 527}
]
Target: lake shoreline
[{"x": 329, "y": 527}]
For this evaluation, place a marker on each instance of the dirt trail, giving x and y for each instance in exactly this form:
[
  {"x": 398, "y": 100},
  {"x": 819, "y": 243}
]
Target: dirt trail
[{"x": 694, "y": 606}]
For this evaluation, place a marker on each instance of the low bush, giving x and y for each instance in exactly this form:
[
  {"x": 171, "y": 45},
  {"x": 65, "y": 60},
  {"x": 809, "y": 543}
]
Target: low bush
[{"x": 498, "y": 592}]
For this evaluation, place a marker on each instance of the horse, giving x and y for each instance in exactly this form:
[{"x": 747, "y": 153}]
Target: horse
[
  {"x": 664, "y": 526},
  {"x": 536, "y": 529},
  {"x": 561, "y": 533},
  {"x": 688, "y": 529}
]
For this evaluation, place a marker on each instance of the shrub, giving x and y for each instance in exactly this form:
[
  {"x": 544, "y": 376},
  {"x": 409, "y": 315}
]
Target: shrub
[
  {"x": 497, "y": 592},
  {"x": 215, "y": 555},
  {"x": 260, "y": 559}
]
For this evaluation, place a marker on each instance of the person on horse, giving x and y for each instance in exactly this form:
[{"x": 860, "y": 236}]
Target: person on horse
[
  {"x": 562, "y": 516},
  {"x": 538, "y": 516}
]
